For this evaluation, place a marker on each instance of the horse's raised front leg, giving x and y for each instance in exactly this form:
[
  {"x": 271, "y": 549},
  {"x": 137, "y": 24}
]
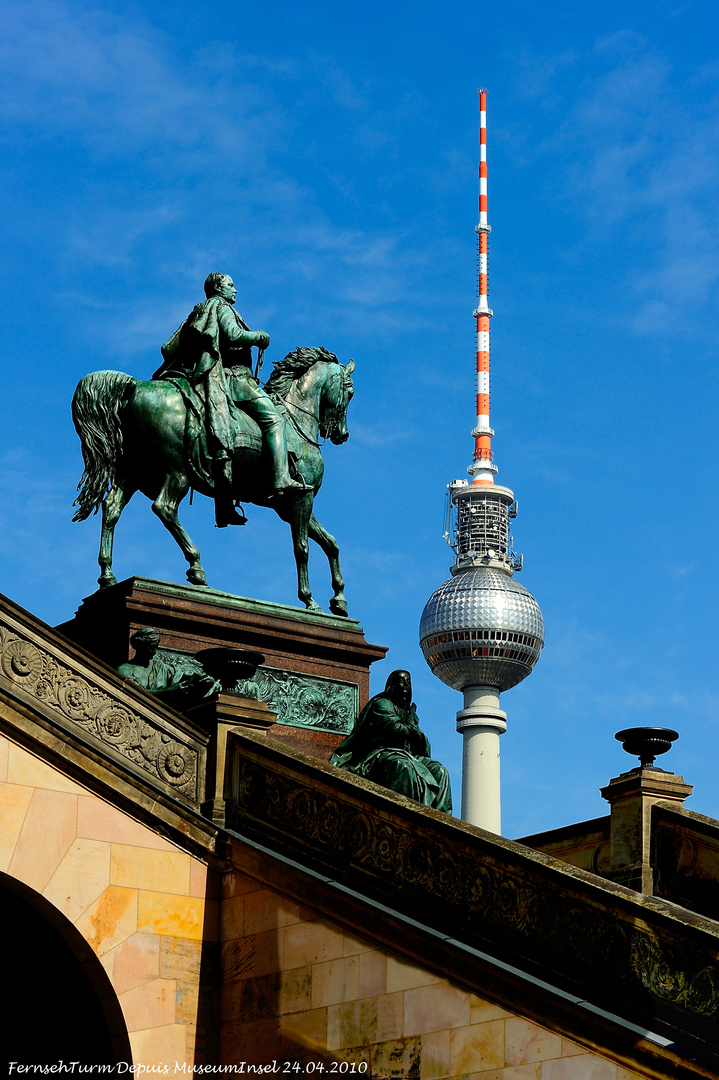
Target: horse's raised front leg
[
  {"x": 297, "y": 511},
  {"x": 116, "y": 500},
  {"x": 338, "y": 604},
  {"x": 172, "y": 492}
]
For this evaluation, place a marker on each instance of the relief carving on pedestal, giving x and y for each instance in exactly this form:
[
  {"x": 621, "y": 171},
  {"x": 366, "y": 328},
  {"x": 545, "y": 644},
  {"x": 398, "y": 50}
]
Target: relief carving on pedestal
[{"x": 308, "y": 701}]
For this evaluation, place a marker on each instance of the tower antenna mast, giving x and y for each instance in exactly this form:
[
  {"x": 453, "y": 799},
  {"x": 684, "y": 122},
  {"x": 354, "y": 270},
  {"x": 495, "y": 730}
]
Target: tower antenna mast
[{"x": 482, "y": 469}]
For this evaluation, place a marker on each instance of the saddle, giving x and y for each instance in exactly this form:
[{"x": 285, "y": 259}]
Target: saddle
[{"x": 247, "y": 437}]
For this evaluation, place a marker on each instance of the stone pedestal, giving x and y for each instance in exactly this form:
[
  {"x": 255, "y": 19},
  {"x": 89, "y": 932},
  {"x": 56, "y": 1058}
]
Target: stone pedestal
[
  {"x": 631, "y": 797},
  {"x": 316, "y": 671}
]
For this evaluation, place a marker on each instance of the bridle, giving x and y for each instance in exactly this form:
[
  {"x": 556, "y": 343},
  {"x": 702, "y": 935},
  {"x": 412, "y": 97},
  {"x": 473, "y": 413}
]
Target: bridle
[{"x": 332, "y": 425}]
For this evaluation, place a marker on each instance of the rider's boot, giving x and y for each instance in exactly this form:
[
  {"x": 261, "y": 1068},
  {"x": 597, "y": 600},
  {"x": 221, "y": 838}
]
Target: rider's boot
[
  {"x": 225, "y": 512},
  {"x": 282, "y": 482}
]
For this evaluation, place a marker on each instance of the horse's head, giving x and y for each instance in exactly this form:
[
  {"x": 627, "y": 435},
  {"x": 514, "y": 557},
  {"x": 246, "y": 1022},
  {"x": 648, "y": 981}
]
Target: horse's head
[
  {"x": 314, "y": 383},
  {"x": 335, "y": 398}
]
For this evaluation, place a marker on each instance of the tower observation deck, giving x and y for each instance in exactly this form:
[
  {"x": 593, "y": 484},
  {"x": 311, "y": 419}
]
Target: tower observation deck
[{"x": 481, "y": 632}]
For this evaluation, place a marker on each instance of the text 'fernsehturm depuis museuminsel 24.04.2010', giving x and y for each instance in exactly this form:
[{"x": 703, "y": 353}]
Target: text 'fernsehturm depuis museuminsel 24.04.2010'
[{"x": 481, "y": 632}]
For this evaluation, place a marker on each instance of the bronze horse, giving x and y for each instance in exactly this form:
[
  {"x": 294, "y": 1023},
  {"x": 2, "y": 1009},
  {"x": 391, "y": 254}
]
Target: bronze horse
[{"x": 134, "y": 437}]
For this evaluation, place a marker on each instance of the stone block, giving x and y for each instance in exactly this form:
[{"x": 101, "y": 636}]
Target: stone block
[
  {"x": 431, "y": 1008},
  {"x": 334, "y": 1027},
  {"x": 481, "y": 1010},
  {"x": 304, "y": 1031},
  {"x": 232, "y": 917},
  {"x": 150, "y": 1005},
  {"x": 586, "y": 1067},
  {"x": 572, "y": 1049},
  {"x": 279, "y": 994},
  {"x": 528, "y": 1071},
  {"x": 97, "y": 820},
  {"x": 396, "y": 1058},
  {"x": 82, "y": 875},
  {"x": 254, "y": 1043},
  {"x": 14, "y": 802},
  {"x": 372, "y": 974},
  {"x": 375, "y": 1019},
  {"x": 134, "y": 961},
  {"x": 47, "y": 832},
  {"x": 156, "y": 871},
  {"x": 160, "y": 1046},
  {"x": 237, "y": 959},
  {"x": 401, "y": 975},
  {"x": 335, "y": 981},
  {"x": 171, "y": 915},
  {"x": 477, "y": 1048},
  {"x": 235, "y": 884},
  {"x": 525, "y": 1041},
  {"x": 25, "y": 769},
  {"x": 434, "y": 1061},
  {"x": 269, "y": 951},
  {"x": 266, "y": 910},
  {"x": 353, "y": 944},
  {"x": 110, "y": 920},
  {"x": 311, "y": 943},
  {"x": 181, "y": 959}
]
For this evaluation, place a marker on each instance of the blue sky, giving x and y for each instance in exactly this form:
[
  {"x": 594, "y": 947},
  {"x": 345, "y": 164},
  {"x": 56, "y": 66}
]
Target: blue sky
[{"x": 325, "y": 155}]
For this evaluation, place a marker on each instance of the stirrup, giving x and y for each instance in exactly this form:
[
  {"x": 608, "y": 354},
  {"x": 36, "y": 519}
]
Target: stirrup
[{"x": 228, "y": 515}]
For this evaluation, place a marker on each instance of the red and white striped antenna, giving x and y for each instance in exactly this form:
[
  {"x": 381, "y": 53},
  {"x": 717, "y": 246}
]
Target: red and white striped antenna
[{"x": 482, "y": 468}]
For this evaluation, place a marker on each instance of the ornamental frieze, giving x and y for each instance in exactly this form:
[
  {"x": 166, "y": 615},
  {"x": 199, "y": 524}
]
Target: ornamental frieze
[
  {"x": 97, "y": 714},
  {"x": 454, "y": 883}
]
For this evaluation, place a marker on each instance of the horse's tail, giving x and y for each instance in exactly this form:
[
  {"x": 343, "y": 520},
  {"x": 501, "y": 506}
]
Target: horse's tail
[{"x": 96, "y": 410}]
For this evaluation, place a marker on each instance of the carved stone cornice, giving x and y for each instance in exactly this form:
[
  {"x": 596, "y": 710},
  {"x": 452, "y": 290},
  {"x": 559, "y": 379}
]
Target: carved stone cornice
[
  {"x": 648, "y": 962},
  {"x": 80, "y": 697}
]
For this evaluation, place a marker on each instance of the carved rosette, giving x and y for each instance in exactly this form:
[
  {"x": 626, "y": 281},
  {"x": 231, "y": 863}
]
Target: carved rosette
[
  {"x": 489, "y": 896},
  {"x": 175, "y": 763},
  {"x": 114, "y": 724},
  {"x": 22, "y": 662}
]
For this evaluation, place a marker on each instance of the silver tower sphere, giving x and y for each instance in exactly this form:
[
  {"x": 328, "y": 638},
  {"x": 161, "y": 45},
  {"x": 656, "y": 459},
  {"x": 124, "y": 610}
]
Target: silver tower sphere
[{"x": 481, "y": 628}]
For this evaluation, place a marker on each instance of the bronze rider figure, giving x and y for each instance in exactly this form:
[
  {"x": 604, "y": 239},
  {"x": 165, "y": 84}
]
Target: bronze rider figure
[{"x": 212, "y": 349}]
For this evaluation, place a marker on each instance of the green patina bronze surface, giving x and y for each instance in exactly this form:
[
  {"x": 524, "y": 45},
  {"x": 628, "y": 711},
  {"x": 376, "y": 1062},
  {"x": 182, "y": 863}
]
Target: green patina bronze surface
[
  {"x": 205, "y": 422},
  {"x": 387, "y": 746},
  {"x": 212, "y": 352},
  {"x": 177, "y": 680},
  {"x": 308, "y": 701}
]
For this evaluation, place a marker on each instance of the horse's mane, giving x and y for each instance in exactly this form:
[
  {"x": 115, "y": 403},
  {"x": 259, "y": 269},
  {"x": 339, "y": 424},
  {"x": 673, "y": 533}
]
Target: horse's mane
[{"x": 293, "y": 367}]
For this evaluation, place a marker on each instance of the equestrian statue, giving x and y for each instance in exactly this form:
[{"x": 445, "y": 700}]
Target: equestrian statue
[{"x": 205, "y": 422}]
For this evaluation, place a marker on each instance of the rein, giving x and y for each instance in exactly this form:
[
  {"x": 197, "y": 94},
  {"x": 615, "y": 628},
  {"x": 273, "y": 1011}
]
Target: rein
[
  {"x": 312, "y": 416},
  {"x": 296, "y": 425}
]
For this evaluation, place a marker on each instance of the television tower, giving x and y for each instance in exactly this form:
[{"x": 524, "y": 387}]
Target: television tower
[{"x": 481, "y": 632}]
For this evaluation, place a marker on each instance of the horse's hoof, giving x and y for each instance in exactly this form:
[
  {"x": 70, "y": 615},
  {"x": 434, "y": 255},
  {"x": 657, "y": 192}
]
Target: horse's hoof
[
  {"x": 338, "y": 607},
  {"x": 197, "y": 577},
  {"x": 314, "y": 607},
  {"x": 106, "y": 580}
]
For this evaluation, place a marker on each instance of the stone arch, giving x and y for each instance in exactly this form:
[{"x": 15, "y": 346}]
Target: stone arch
[{"x": 57, "y": 990}]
